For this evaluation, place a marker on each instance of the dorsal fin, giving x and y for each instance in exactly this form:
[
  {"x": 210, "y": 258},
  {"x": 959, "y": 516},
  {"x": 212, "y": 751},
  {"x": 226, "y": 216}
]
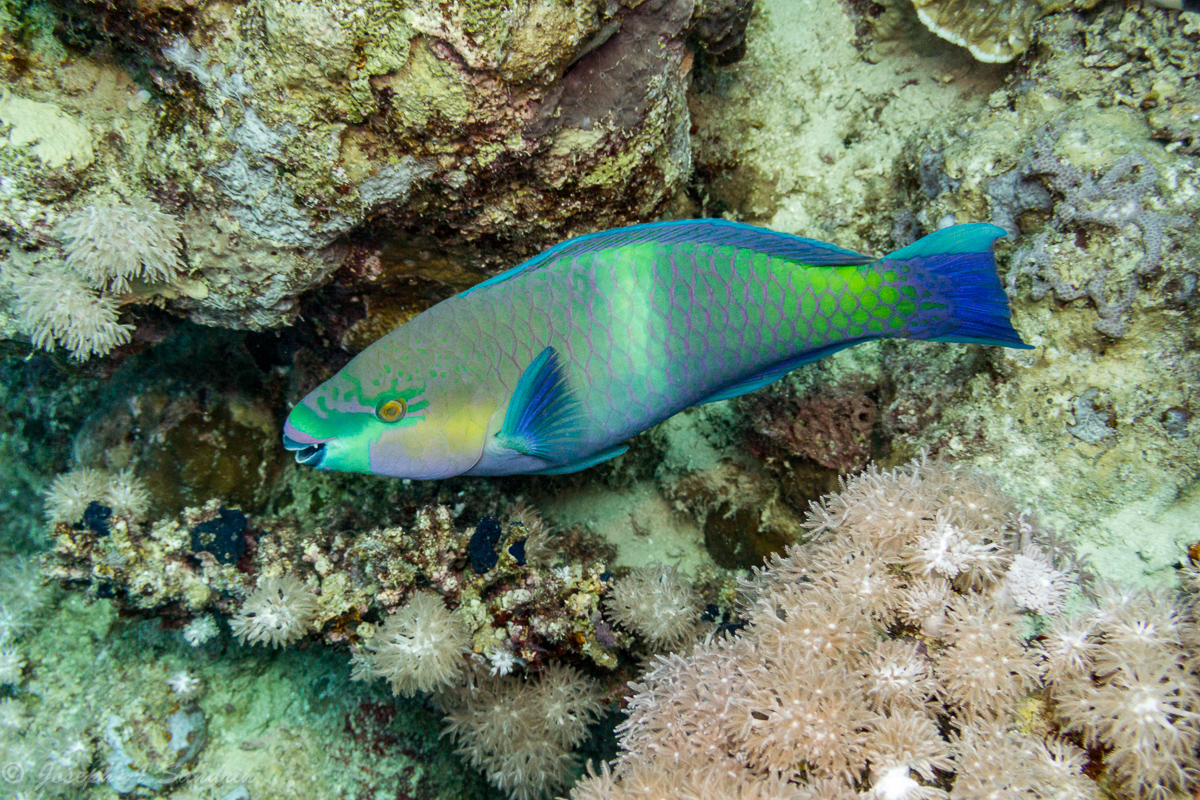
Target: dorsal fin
[{"x": 697, "y": 231}]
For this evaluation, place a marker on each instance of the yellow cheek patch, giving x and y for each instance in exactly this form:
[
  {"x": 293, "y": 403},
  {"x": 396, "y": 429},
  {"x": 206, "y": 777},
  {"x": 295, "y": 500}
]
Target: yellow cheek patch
[
  {"x": 465, "y": 427},
  {"x": 456, "y": 436}
]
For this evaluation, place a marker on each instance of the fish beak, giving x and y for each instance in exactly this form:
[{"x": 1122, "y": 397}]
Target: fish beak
[{"x": 308, "y": 453}]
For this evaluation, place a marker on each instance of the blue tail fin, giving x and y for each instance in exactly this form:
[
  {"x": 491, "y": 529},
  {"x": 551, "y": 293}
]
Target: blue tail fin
[{"x": 962, "y": 255}]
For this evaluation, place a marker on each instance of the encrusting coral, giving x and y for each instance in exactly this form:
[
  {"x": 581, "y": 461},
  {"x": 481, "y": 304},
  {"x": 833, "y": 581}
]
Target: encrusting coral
[
  {"x": 889, "y": 659},
  {"x": 1114, "y": 200},
  {"x": 993, "y": 32}
]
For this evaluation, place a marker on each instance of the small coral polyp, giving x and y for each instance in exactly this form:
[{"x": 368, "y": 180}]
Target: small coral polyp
[
  {"x": 420, "y": 647},
  {"x": 657, "y": 603},
  {"x": 279, "y": 612}
]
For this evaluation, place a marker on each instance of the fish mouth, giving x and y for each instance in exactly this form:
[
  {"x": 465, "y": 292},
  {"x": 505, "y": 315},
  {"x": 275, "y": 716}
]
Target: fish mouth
[{"x": 307, "y": 453}]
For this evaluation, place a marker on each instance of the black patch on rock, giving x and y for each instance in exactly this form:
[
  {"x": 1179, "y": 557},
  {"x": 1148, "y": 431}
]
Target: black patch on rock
[
  {"x": 222, "y": 536},
  {"x": 517, "y": 551},
  {"x": 482, "y": 546},
  {"x": 96, "y": 517}
]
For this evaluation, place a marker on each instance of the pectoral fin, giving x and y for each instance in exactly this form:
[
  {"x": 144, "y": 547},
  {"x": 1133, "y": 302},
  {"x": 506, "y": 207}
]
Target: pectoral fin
[{"x": 544, "y": 419}]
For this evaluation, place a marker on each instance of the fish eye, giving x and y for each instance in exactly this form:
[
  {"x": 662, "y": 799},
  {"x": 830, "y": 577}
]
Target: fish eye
[{"x": 391, "y": 411}]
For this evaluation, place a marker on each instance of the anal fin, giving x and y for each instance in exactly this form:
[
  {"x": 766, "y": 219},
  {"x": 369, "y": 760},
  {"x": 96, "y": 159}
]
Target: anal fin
[{"x": 583, "y": 463}]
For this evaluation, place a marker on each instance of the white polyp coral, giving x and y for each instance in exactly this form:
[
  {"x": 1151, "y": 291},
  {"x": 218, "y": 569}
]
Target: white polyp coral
[
  {"x": 521, "y": 732},
  {"x": 899, "y": 677},
  {"x": 1067, "y": 649},
  {"x": 657, "y": 603},
  {"x": 12, "y": 715},
  {"x": 109, "y": 245},
  {"x": 183, "y": 683},
  {"x": 279, "y": 612},
  {"x": 948, "y": 550},
  {"x": 1119, "y": 676},
  {"x": 882, "y": 660},
  {"x": 1033, "y": 583},
  {"x": 72, "y": 492},
  {"x": 56, "y": 307},
  {"x": 127, "y": 495},
  {"x": 896, "y": 783},
  {"x": 502, "y": 661},
  {"x": 200, "y": 630},
  {"x": 986, "y": 664},
  {"x": 420, "y": 647},
  {"x": 11, "y": 664}
]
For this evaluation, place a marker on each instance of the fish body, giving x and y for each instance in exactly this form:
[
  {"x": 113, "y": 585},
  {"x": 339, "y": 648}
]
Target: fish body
[{"x": 553, "y": 365}]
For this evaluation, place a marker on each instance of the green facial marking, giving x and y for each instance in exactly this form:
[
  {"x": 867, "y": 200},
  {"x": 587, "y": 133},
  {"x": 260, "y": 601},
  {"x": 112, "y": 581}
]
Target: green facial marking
[{"x": 335, "y": 425}]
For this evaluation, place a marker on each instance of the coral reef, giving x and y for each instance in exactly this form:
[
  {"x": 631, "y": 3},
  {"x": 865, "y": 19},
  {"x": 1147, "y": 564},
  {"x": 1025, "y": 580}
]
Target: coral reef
[
  {"x": 259, "y": 136},
  {"x": 397, "y": 156},
  {"x": 891, "y": 654},
  {"x": 995, "y": 33},
  {"x": 209, "y": 558}
]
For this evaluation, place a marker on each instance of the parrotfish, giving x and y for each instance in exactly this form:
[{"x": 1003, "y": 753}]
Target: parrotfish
[{"x": 552, "y": 366}]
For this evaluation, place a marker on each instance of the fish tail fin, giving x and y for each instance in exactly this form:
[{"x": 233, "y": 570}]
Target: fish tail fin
[{"x": 960, "y": 263}]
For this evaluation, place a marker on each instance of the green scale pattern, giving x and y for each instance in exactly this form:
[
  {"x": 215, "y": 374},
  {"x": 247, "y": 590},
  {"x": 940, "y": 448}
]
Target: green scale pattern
[{"x": 647, "y": 329}]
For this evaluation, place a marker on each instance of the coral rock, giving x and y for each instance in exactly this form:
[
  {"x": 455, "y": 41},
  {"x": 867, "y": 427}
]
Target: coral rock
[{"x": 992, "y": 31}]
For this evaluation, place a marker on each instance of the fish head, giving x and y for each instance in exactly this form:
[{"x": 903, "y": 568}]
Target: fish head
[{"x": 381, "y": 416}]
